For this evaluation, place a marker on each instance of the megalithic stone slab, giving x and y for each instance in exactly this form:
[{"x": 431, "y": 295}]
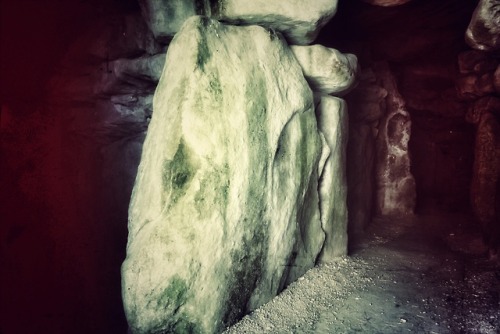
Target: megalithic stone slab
[
  {"x": 299, "y": 21},
  {"x": 225, "y": 208},
  {"x": 327, "y": 70},
  {"x": 333, "y": 124}
]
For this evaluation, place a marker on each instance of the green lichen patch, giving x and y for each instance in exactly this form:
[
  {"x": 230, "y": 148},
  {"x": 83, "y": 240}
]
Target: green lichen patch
[
  {"x": 204, "y": 54},
  {"x": 177, "y": 173},
  {"x": 175, "y": 294},
  {"x": 215, "y": 87},
  {"x": 214, "y": 191},
  {"x": 248, "y": 263},
  {"x": 173, "y": 297},
  {"x": 185, "y": 326}
]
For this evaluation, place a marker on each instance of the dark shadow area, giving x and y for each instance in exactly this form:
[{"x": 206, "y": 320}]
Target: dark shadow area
[
  {"x": 420, "y": 41},
  {"x": 62, "y": 242}
]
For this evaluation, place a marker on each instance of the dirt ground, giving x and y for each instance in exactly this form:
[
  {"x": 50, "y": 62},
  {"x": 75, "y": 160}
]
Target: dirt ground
[{"x": 426, "y": 274}]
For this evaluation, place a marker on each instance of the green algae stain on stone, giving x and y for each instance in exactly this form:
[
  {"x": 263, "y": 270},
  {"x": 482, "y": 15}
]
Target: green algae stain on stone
[
  {"x": 204, "y": 54},
  {"x": 214, "y": 191},
  {"x": 177, "y": 173},
  {"x": 185, "y": 326},
  {"x": 173, "y": 297},
  {"x": 215, "y": 87},
  {"x": 248, "y": 263},
  {"x": 175, "y": 294}
]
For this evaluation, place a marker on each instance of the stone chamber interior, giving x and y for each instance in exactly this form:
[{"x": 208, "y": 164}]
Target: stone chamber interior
[{"x": 68, "y": 164}]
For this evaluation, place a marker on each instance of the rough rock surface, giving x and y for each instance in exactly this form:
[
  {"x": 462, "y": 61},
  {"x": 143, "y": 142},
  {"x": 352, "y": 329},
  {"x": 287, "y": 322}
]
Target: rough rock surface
[
  {"x": 474, "y": 61},
  {"x": 333, "y": 123},
  {"x": 485, "y": 201},
  {"x": 366, "y": 106},
  {"x": 165, "y": 17},
  {"x": 395, "y": 184},
  {"x": 327, "y": 70},
  {"x": 129, "y": 76},
  {"x": 483, "y": 32},
  {"x": 473, "y": 86},
  {"x": 496, "y": 79},
  {"x": 298, "y": 21},
  {"x": 225, "y": 209}
]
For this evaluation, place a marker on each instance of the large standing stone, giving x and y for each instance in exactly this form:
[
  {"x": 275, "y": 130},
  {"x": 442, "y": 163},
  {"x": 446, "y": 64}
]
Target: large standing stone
[
  {"x": 333, "y": 123},
  {"x": 327, "y": 70},
  {"x": 299, "y": 21},
  {"x": 225, "y": 208},
  {"x": 483, "y": 32},
  {"x": 396, "y": 193}
]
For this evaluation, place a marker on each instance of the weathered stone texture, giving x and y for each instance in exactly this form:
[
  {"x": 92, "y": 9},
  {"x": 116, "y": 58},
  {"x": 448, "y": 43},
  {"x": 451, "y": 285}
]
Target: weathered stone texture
[
  {"x": 327, "y": 70},
  {"x": 366, "y": 106},
  {"x": 333, "y": 123},
  {"x": 225, "y": 209},
  {"x": 395, "y": 184},
  {"x": 299, "y": 21},
  {"x": 485, "y": 188},
  {"x": 483, "y": 32}
]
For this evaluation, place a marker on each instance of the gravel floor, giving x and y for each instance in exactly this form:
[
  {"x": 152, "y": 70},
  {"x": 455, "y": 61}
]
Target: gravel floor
[{"x": 424, "y": 274}]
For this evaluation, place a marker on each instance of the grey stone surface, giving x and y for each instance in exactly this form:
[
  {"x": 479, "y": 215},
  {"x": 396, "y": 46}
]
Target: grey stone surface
[
  {"x": 225, "y": 208},
  {"x": 327, "y": 70},
  {"x": 333, "y": 123},
  {"x": 298, "y": 21}
]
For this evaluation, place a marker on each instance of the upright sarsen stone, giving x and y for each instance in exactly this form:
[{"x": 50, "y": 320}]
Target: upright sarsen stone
[
  {"x": 333, "y": 124},
  {"x": 225, "y": 208}
]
